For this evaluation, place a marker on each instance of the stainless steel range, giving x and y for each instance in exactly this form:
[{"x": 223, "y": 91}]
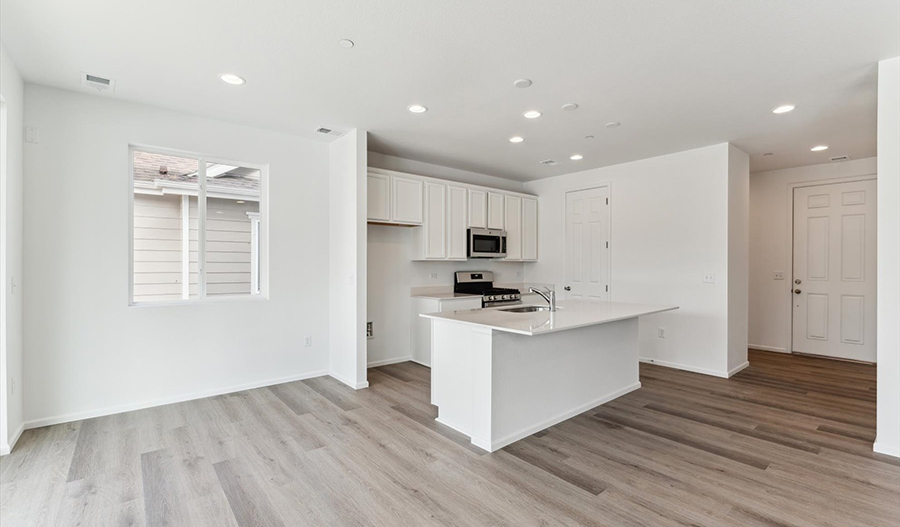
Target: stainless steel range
[{"x": 482, "y": 283}]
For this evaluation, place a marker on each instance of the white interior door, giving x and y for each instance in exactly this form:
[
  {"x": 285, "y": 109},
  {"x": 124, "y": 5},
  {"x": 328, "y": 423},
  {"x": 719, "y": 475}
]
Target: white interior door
[
  {"x": 587, "y": 244},
  {"x": 834, "y": 270}
]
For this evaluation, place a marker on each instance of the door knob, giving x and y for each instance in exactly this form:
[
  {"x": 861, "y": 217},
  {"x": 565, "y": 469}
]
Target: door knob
[
  {"x": 797, "y": 281},
  {"x": 568, "y": 288},
  {"x": 796, "y": 291}
]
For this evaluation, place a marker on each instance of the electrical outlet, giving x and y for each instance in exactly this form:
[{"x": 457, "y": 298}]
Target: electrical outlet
[
  {"x": 518, "y": 274},
  {"x": 709, "y": 278},
  {"x": 307, "y": 342},
  {"x": 779, "y": 275},
  {"x": 433, "y": 276},
  {"x": 370, "y": 330},
  {"x": 661, "y": 332}
]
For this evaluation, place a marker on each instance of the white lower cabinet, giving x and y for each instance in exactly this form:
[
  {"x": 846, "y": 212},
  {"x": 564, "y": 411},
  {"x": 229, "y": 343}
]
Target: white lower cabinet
[{"x": 420, "y": 338}]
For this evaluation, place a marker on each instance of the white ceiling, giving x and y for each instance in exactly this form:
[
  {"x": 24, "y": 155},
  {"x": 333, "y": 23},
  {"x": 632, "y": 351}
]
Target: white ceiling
[{"x": 677, "y": 74}]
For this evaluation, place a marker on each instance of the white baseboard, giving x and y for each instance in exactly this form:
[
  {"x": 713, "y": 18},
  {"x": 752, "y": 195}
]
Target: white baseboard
[
  {"x": 767, "y": 348},
  {"x": 7, "y": 448},
  {"x": 348, "y": 382},
  {"x": 886, "y": 448},
  {"x": 547, "y": 423},
  {"x": 90, "y": 414},
  {"x": 385, "y": 362},
  {"x": 686, "y": 367},
  {"x": 738, "y": 368},
  {"x": 420, "y": 363},
  {"x": 508, "y": 439}
]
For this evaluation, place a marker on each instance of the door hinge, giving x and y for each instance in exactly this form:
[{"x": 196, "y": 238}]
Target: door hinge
[
  {"x": 607, "y": 289},
  {"x": 607, "y": 201},
  {"x": 607, "y": 245}
]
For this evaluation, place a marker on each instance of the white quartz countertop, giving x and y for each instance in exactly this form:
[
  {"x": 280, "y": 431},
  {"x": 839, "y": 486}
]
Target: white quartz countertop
[
  {"x": 570, "y": 314},
  {"x": 447, "y": 295}
]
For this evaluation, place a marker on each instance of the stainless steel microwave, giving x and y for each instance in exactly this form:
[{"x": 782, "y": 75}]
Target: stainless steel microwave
[{"x": 487, "y": 243}]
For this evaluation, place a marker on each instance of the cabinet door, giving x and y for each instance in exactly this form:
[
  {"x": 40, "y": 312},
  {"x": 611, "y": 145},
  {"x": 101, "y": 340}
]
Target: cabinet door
[
  {"x": 495, "y": 211},
  {"x": 456, "y": 223},
  {"x": 477, "y": 209},
  {"x": 513, "y": 206},
  {"x": 529, "y": 228},
  {"x": 379, "y": 197},
  {"x": 435, "y": 220},
  {"x": 406, "y": 200}
]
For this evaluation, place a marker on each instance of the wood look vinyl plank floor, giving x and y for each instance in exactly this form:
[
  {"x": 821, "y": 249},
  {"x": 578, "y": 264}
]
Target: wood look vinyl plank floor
[{"x": 785, "y": 443}]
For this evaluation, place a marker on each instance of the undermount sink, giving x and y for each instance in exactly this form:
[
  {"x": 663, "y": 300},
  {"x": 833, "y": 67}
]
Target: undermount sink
[{"x": 526, "y": 309}]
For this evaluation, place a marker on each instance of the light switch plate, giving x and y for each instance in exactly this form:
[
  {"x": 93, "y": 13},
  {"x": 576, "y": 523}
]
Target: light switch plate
[
  {"x": 661, "y": 332},
  {"x": 779, "y": 275}
]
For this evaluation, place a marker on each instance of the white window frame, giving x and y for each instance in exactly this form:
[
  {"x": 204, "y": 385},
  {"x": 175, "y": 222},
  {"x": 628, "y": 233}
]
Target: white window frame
[{"x": 260, "y": 231}]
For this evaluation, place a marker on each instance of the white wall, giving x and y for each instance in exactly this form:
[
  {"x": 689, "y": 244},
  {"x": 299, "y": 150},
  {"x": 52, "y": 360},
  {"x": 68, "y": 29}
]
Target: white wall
[
  {"x": 888, "y": 437},
  {"x": 771, "y": 201},
  {"x": 441, "y": 172},
  {"x": 738, "y": 257},
  {"x": 347, "y": 253},
  {"x": 392, "y": 274},
  {"x": 670, "y": 226},
  {"x": 11, "y": 219},
  {"x": 89, "y": 352}
]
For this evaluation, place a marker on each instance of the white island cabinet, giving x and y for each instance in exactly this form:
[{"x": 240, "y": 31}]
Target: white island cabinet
[{"x": 498, "y": 376}]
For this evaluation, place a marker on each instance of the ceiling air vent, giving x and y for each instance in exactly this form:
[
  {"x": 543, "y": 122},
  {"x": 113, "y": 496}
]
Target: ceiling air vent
[
  {"x": 100, "y": 84},
  {"x": 549, "y": 162},
  {"x": 838, "y": 159},
  {"x": 329, "y": 131}
]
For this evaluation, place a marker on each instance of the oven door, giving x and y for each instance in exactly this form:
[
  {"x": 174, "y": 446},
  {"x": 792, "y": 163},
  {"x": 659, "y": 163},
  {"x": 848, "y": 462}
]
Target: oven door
[{"x": 487, "y": 243}]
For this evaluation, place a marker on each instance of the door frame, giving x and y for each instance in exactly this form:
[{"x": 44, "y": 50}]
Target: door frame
[
  {"x": 609, "y": 259},
  {"x": 788, "y": 292}
]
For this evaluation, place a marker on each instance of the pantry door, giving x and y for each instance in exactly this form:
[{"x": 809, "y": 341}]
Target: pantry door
[
  {"x": 834, "y": 270},
  {"x": 587, "y": 244}
]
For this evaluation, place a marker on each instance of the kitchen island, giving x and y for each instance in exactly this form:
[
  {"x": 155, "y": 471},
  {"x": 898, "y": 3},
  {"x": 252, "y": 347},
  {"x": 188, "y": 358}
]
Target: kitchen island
[{"x": 501, "y": 374}]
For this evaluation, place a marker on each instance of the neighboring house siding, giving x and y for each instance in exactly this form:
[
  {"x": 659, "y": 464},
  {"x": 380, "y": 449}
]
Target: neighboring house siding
[
  {"x": 228, "y": 267},
  {"x": 157, "y": 248}
]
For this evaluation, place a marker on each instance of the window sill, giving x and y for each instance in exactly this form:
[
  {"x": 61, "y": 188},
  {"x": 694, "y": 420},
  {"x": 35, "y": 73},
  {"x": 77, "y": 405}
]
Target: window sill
[{"x": 199, "y": 302}]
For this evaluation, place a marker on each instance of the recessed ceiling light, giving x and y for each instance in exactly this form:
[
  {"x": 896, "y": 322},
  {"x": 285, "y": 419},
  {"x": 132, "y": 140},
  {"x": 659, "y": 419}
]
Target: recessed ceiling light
[
  {"x": 570, "y": 106},
  {"x": 783, "y": 109},
  {"x": 522, "y": 83},
  {"x": 819, "y": 148},
  {"x": 612, "y": 124},
  {"x": 532, "y": 114},
  {"x": 240, "y": 201},
  {"x": 218, "y": 212},
  {"x": 417, "y": 108},
  {"x": 516, "y": 139},
  {"x": 231, "y": 78},
  {"x": 576, "y": 157},
  {"x": 588, "y": 137},
  {"x": 346, "y": 43}
]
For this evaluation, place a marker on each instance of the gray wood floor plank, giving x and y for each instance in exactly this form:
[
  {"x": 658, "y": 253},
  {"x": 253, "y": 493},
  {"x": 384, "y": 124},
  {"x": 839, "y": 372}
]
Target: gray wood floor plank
[{"x": 785, "y": 443}]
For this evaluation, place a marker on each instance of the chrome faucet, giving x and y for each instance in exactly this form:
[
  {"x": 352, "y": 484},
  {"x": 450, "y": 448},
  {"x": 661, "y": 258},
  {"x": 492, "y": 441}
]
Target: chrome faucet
[{"x": 547, "y": 294}]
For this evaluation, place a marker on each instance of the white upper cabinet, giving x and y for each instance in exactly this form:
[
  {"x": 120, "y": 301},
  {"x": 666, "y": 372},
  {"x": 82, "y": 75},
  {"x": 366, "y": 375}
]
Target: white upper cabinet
[
  {"x": 513, "y": 205},
  {"x": 379, "y": 197},
  {"x": 394, "y": 199},
  {"x": 435, "y": 227},
  {"x": 406, "y": 206},
  {"x": 441, "y": 213},
  {"x": 456, "y": 222},
  {"x": 495, "y": 210},
  {"x": 478, "y": 208},
  {"x": 529, "y": 228}
]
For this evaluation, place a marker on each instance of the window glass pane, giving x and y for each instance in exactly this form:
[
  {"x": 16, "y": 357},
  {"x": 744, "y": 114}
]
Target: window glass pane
[
  {"x": 232, "y": 230},
  {"x": 163, "y": 185}
]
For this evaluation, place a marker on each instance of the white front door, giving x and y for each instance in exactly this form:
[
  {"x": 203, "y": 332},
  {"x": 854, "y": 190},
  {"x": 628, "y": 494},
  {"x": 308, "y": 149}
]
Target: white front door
[
  {"x": 587, "y": 244},
  {"x": 834, "y": 270}
]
